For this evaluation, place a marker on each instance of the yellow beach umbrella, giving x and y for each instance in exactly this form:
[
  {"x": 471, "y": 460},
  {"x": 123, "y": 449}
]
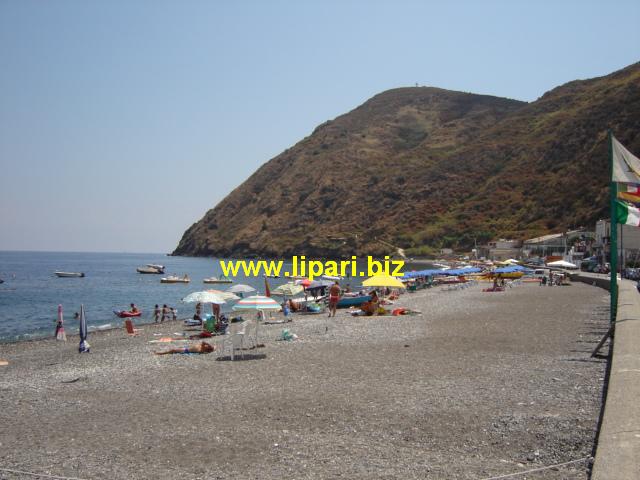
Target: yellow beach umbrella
[{"x": 383, "y": 281}]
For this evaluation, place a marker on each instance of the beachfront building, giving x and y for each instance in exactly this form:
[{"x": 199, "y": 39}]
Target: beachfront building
[
  {"x": 571, "y": 246},
  {"x": 499, "y": 250},
  {"x": 628, "y": 242}
]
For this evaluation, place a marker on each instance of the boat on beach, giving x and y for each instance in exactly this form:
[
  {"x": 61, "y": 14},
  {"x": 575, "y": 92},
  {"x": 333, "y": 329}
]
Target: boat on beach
[
  {"x": 222, "y": 279},
  {"x": 175, "y": 279},
  {"x": 151, "y": 269},
  {"x": 69, "y": 274},
  {"x": 355, "y": 301}
]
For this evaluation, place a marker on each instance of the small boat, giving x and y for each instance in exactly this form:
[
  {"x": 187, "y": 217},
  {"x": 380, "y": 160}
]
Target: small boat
[
  {"x": 69, "y": 274},
  {"x": 272, "y": 276},
  {"x": 127, "y": 314},
  {"x": 222, "y": 279},
  {"x": 150, "y": 269},
  {"x": 331, "y": 277},
  {"x": 346, "y": 302},
  {"x": 156, "y": 266},
  {"x": 175, "y": 279}
]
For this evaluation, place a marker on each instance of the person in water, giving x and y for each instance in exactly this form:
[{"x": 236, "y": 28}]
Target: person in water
[
  {"x": 133, "y": 309},
  {"x": 334, "y": 297},
  {"x": 202, "y": 347}
]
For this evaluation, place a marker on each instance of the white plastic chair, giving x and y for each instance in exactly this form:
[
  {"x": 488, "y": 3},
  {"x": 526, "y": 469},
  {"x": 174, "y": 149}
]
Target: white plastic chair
[{"x": 234, "y": 338}]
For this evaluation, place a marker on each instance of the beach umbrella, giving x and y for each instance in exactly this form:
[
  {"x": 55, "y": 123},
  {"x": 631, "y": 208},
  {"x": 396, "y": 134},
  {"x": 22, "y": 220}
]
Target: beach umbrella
[
  {"x": 84, "y": 345},
  {"x": 204, "y": 297},
  {"x": 256, "y": 303},
  {"x": 225, "y": 295},
  {"x": 241, "y": 288},
  {"x": 60, "y": 335},
  {"x": 288, "y": 289},
  {"x": 320, "y": 284},
  {"x": 383, "y": 281},
  {"x": 561, "y": 264}
]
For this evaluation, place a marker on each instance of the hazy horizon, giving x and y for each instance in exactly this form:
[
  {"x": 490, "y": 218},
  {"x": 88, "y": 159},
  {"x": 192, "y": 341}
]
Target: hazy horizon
[{"x": 122, "y": 123}]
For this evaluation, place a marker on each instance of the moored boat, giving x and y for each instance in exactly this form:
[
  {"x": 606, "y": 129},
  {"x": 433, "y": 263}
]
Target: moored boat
[
  {"x": 69, "y": 274},
  {"x": 151, "y": 269},
  {"x": 221, "y": 279},
  {"x": 355, "y": 301},
  {"x": 175, "y": 279}
]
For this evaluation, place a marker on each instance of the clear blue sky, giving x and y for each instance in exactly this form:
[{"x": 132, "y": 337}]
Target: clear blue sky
[{"x": 123, "y": 122}]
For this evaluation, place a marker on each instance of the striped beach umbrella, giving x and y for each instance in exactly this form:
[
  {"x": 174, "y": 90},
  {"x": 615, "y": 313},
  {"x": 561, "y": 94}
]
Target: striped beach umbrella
[
  {"x": 257, "y": 303},
  {"x": 84, "y": 345}
]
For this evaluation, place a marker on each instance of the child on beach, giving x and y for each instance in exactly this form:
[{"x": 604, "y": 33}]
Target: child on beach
[
  {"x": 156, "y": 313},
  {"x": 174, "y": 313}
]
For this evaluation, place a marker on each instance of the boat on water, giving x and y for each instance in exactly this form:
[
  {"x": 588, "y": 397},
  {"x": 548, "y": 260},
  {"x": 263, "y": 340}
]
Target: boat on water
[
  {"x": 355, "y": 301},
  {"x": 151, "y": 269},
  {"x": 69, "y": 274},
  {"x": 221, "y": 279},
  {"x": 272, "y": 276},
  {"x": 126, "y": 313},
  {"x": 175, "y": 279}
]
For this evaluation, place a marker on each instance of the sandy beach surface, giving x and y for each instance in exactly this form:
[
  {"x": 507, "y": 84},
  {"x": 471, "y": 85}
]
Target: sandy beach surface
[{"x": 479, "y": 385}]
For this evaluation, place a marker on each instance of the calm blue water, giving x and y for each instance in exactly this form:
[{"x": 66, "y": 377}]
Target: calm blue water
[{"x": 30, "y": 294}]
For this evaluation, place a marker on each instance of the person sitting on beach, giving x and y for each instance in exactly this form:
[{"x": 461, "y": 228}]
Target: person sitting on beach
[
  {"x": 203, "y": 347},
  {"x": 198, "y": 314}
]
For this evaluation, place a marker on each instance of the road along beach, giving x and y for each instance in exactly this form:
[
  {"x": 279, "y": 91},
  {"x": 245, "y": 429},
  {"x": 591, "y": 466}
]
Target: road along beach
[{"x": 478, "y": 385}]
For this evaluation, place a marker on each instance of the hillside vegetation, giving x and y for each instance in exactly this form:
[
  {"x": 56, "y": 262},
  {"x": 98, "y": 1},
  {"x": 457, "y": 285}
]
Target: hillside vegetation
[{"x": 423, "y": 168}]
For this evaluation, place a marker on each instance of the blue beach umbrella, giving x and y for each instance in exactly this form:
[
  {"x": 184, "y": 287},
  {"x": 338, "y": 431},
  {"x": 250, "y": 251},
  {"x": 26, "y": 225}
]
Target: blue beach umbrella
[{"x": 84, "y": 345}]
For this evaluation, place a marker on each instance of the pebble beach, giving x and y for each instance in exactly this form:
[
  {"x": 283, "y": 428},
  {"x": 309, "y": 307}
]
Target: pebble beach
[{"x": 476, "y": 386}]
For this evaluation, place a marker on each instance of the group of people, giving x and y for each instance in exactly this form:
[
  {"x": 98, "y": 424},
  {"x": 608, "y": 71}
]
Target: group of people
[{"x": 164, "y": 313}]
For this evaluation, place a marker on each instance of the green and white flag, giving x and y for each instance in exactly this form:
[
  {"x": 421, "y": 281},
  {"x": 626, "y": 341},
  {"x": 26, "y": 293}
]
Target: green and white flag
[
  {"x": 627, "y": 214},
  {"x": 626, "y": 166}
]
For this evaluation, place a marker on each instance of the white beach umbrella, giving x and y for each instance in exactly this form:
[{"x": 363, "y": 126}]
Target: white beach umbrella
[
  {"x": 562, "y": 264},
  {"x": 204, "y": 297},
  {"x": 288, "y": 289},
  {"x": 224, "y": 295},
  {"x": 241, "y": 288}
]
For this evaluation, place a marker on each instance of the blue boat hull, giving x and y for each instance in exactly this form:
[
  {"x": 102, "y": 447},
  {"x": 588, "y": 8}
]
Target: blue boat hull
[{"x": 346, "y": 302}]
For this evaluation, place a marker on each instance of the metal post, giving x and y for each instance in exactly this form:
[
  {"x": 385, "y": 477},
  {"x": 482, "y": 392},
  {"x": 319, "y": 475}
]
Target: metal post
[{"x": 613, "y": 191}]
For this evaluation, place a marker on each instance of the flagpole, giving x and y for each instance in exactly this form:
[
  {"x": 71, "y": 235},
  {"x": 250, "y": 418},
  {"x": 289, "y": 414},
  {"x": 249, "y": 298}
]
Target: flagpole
[{"x": 613, "y": 251}]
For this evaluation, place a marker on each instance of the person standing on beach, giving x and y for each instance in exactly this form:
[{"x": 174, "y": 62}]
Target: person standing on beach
[
  {"x": 165, "y": 312},
  {"x": 156, "y": 313},
  {"x": 334, "y": 297},
  {"x": 174, "y": 314}
]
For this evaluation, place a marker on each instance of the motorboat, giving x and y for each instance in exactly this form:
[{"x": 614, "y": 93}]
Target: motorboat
[
  {"x": 175, "y": 279},
  {"x": 70, "y": 274},
  {"x": 151, "y": 269},
  {"x": 222, "y": 279},
  {"x": 156, "y": 266}
]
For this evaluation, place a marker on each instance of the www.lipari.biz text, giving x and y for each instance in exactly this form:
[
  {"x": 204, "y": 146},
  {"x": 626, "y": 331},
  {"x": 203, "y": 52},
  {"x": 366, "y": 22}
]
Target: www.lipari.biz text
[{"x": 301, "y": 266}]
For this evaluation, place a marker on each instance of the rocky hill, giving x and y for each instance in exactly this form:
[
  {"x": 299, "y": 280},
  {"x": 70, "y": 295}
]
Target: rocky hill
[{"x": 422, "y": 168}]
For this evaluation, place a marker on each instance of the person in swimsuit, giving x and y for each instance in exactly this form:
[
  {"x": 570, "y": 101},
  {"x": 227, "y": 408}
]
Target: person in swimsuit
[
  {"x": 334, "y": 297},
  {"x": 133, "y": 309},
  {"x": 202, "y": 347},
  {"x": 156, "y": 313},
  {"x": 165, "y": 312}
]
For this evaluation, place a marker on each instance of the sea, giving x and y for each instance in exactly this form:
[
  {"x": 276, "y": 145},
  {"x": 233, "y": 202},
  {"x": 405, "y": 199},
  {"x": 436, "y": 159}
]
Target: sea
[{"x": 31, "y": 292}]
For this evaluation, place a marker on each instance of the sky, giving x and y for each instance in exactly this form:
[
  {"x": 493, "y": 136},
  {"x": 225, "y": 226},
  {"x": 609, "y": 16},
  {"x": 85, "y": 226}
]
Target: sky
[{"x": 123, "y": 122}]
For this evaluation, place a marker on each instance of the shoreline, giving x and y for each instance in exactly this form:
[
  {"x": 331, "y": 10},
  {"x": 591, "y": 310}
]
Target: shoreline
[{"x": 479, "y": 384}]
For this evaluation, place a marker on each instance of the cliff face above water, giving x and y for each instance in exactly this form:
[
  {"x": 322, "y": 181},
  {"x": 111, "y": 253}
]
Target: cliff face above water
[{"x": 422, "y": 168}]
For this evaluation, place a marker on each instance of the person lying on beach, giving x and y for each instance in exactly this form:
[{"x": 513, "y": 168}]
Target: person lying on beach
[{"x": 203, "y": 347}]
